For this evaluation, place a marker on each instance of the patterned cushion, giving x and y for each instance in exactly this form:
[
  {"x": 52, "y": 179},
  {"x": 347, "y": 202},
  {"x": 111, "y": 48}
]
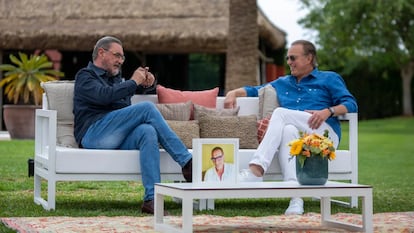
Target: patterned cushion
[
  {"x": 176, "y": 112},
  {"x": 262, "y": 125},
  {"x": 242, "y": 127}
]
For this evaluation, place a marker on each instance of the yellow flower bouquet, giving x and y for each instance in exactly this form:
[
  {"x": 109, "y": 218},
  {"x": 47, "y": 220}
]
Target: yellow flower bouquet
[{"x": 308, "y": 145}]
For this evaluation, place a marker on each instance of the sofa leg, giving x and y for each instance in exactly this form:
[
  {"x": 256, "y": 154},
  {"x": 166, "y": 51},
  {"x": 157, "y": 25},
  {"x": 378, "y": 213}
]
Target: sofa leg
[
  {"x": 48, "y": 204},
  {"x": 210, "y": 204},
  {"x": 51, "y": 194},
  {"x": 204, "y": 204},
  {"x": 37, "y": 189}
]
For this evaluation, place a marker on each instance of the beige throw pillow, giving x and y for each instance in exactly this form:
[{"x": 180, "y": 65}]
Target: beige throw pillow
[
  {"x": 176, "y": 112},
  {"x": 267, "y": 101},
  {"x": 186, "y": 131},
  {"x": 60, "y": 98},
  {"x": 242, "y": 127},
  {"x": 198, "y": 109}
]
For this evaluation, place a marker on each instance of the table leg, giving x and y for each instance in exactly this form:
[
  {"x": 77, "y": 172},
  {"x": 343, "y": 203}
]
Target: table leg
[
  {"x": 187, "y": 214},
  {"x": 159, "y": 208},
  {"x": 325, "y": 209},
  {"x": 367, "y": 212}
]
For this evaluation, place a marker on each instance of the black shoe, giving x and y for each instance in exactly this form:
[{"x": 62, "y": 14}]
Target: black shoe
[
  {"x": 148, "y": 207},
  {"x": 188, "y": 171}
]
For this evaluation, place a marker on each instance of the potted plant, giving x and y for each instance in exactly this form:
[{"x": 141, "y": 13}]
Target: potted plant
[
  {"x": 21, "y": 84},
  {"x": 312, "y": 152}
]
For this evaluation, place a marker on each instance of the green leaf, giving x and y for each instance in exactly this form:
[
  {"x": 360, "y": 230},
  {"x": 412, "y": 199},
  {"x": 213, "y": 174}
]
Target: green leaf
[{"x": 21, "y": 81}]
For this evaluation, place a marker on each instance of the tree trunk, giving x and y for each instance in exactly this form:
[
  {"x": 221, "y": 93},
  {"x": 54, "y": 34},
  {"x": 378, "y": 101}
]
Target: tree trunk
[
  {"x": 407, "y": 73},
  {"x": 242, "y": 44}
]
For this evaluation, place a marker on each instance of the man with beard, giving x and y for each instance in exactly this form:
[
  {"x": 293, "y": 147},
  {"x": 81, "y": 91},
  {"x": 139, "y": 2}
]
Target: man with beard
[{"x": 105, "y": 118}]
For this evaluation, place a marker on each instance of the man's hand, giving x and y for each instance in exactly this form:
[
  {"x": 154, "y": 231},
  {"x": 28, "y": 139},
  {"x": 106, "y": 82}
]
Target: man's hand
[
  {"x": 317, "y": 118},
  {"x": 139, "y": 75},
  {"x": 143, "y": 77},
  {"x": 230, "y": 100},
  {"x": 149, "y": 81}
]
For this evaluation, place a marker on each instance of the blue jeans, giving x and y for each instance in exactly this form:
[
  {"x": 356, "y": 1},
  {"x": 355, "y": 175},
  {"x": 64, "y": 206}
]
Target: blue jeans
[{"x": 138, "y": 127}]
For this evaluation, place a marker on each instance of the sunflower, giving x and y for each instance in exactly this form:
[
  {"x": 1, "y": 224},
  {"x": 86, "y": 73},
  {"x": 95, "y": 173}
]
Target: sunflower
[
  {"x": 308, "y": 145},
  {"x": 296, "y": 147}
]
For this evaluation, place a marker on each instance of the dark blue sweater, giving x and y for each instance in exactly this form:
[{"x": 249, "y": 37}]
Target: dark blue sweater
[{"x": 96, "y": 94}]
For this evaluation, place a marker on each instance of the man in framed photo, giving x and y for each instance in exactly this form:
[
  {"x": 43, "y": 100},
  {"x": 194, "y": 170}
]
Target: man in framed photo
[{"x": 221, "y": 171}]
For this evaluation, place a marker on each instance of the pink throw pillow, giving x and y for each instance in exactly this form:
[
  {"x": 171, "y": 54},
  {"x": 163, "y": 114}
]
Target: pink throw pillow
[{"x": 206, "y": 98}]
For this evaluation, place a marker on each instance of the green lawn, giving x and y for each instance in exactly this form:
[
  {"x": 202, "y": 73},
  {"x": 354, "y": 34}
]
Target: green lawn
[{"x": 386, "y": 149}]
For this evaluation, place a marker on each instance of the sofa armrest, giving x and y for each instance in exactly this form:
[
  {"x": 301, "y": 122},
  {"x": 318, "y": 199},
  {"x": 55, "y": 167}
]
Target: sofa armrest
[
  {"x": 353, "y": 134},
  {"x": 45, "y": 138},
  {"x": 248, "y": 105}
]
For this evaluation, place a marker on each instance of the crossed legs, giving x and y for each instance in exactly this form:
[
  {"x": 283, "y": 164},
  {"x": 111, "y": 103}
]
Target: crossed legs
[{"x": 284, "y": 126}]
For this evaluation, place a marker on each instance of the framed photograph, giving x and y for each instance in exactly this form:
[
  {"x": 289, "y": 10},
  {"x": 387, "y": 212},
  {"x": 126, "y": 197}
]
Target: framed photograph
[{"x": 215, "y": 160}]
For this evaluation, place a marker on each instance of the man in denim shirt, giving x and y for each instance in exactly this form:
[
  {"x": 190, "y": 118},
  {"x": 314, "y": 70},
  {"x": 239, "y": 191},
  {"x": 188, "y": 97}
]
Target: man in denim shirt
[
  {"x": 310, "y": 101},
  {"x": 105, "y": 118}
]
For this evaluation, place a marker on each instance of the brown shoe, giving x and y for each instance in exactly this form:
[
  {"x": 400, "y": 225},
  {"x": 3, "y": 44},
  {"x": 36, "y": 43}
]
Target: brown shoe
[
  {"x": 187, "y": 171},
  {"x": 148, "y": 207}
]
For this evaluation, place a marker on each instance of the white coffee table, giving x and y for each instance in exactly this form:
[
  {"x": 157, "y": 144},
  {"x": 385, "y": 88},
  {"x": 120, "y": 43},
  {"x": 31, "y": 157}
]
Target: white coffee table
[{"x": 190, "y": 191}]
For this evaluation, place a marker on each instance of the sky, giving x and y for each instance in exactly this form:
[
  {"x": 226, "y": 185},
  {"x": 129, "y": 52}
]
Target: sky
[{"x": 284, "y": 14}]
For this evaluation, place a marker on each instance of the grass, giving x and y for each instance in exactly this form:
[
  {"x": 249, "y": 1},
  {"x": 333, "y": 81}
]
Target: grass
[{"x": 386, "y": 149}]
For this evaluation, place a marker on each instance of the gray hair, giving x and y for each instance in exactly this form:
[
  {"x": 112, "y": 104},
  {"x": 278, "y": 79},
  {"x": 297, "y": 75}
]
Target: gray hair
[
  {"x": 308, "y": 48},
  {"x": 105, "y": 42}
]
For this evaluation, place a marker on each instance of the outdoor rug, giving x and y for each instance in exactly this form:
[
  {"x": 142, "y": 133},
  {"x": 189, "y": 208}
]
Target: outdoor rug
[{"x": 309, "y": 222}]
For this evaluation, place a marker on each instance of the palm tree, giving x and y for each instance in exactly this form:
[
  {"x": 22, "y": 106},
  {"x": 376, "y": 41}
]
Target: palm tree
[{"x": 242, "y": 44}]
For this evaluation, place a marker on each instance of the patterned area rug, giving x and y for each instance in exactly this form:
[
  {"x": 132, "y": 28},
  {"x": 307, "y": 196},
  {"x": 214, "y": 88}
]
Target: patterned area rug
[{"x": 309, "y": 222}]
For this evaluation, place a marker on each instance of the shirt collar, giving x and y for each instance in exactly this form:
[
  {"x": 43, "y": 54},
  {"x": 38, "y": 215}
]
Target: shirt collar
[
  {"x": 312, "y": 74},
  {"x": 98, "y": 71}
]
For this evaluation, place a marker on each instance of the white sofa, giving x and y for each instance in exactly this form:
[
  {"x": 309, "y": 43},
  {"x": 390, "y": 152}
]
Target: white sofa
[{"x": 55, "y": 163}]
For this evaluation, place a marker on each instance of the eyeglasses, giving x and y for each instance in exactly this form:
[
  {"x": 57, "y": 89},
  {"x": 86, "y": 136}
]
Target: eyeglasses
[
  {"x": 215, "y": 158},
  {"x": 117, "y": 55},
  {"x": 291, "y": 57}
]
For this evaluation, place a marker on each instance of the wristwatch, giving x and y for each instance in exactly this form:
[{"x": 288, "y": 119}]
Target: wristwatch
[{"x": 332, "y": 110}]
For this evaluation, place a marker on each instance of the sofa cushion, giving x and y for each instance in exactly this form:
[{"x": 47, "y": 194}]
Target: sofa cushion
[
  {"x": 198, "y": 109},
  {"x": 206, "y": 98},
  {"x": 262, "y": 125},
  {"x": 186, "y": 131},
  {"x": 267, "y": 101},
  {"x": 60, "y": 97},
  {"x": 176, "y": 112},
  {"x": 242, "y": 127}
]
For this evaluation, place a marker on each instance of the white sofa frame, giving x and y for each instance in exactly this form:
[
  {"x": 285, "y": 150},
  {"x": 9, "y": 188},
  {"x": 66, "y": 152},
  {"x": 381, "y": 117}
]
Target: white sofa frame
[{"x": 55, "y": 163}]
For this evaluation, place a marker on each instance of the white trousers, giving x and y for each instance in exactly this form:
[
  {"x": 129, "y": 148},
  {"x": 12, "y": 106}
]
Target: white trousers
[{"x": 284, "y": 126}]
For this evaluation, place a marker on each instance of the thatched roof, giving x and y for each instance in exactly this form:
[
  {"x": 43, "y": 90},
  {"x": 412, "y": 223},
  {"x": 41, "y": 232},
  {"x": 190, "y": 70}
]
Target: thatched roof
[{"x": 142, "y": 25}]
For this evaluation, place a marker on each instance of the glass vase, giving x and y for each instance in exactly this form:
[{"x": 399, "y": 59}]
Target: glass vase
[{"x": 313, "y": 172}]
